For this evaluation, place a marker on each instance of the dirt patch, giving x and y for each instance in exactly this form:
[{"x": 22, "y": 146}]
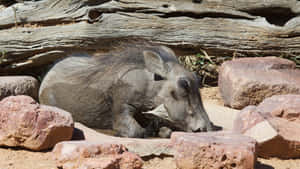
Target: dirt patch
[
  {"x": 212, "y": 94},
  {"x": 160, "y": 163},
  {"x": 275, "y": 163},
  {"x": 23, "y": 159}
]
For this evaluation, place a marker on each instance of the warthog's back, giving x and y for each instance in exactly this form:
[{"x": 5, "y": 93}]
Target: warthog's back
[{"x": 79, "y": 85}]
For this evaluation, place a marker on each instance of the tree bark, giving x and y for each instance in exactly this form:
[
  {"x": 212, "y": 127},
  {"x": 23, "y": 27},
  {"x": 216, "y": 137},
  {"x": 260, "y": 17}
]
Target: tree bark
[{"x": 38, "y": 33}]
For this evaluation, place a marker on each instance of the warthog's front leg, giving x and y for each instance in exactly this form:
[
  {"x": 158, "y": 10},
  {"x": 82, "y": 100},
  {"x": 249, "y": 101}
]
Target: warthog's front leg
[{"x": 125, "y": 124}]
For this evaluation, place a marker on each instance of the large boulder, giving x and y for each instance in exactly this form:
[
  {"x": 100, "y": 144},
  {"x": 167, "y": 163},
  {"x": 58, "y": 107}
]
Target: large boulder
[
  {"x": 84, "y": 155},
  {"x": 25, "y": 123},
  {"x": 213, "y": 150},
  {"x": 275, "y": 124},
  {"x": 18, "y": 85},
  {"x": 248, "y": 81}
]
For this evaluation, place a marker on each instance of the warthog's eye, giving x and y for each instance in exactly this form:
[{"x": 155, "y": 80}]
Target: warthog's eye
[
  {"x": 158, "y": 77},
  {"x": 184, "y": 83}
]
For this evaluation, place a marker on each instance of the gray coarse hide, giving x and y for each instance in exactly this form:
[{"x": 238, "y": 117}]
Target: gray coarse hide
[{"x": 112, "y": 90}]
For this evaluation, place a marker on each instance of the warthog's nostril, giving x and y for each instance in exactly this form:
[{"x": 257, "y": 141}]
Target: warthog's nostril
[{"x": 200, "y": 130}]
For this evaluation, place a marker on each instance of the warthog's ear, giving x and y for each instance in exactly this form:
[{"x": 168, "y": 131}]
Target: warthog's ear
[
  {"x": 170, "y": 53},
  {"x": 155, "y": 64}
]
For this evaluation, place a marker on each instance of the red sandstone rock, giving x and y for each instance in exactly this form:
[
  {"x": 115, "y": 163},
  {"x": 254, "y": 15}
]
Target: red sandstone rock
[
  {"x": 25, "y": 123},
  {"x": 18, "y": 85},
  {"x": 248, "y": 81},
  {"x": 274, "y": 124},
  {"x": 85, "y": 155},
  {"x": 141, "y": 147},
  {"x": 283, "y": 106},
  {"x": 246, "y": 119},
  {"x": 213, "y": 150}
]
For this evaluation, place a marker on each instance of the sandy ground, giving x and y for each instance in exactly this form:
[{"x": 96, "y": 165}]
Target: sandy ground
[
  {"x": 22, "y": 159},
  {"x": 212, "y": 94}
]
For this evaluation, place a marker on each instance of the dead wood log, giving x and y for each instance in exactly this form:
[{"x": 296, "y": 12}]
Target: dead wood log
[{"x": 37, "y": 33}]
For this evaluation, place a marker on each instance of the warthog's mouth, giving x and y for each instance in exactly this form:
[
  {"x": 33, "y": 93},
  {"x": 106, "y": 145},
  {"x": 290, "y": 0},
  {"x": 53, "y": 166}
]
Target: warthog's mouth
[{"x": 158, "y": 118}]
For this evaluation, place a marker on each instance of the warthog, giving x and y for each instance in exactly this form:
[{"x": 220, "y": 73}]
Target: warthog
[{"x": 109, "y": 90}]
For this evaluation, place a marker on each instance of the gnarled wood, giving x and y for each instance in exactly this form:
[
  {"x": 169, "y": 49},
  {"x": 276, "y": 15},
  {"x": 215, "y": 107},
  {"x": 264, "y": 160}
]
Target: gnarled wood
[{"x": 221, "y": 27}]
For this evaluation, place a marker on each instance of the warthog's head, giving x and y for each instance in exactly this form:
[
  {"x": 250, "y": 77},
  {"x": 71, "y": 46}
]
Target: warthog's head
[{"x": 180, "y": 90}]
